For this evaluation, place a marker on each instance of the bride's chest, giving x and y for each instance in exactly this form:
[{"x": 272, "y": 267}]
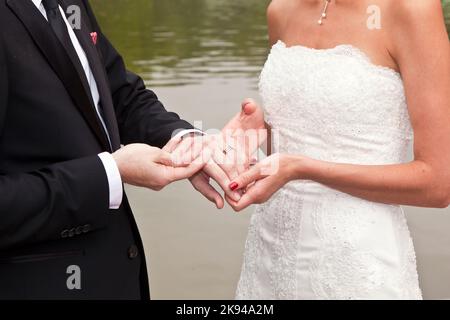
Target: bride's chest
[{"x": 338, "y": 84}]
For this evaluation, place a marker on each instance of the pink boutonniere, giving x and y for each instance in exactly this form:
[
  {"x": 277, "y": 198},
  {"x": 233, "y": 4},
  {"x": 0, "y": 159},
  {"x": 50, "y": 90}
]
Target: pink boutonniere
[{"x": 94, "y": 37}]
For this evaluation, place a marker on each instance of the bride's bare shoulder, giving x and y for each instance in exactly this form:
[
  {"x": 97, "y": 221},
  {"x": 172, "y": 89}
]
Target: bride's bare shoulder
[
  {"x": 407, "y": 13},
  {"x": 277, "y": 9},
  {"x": 414, "y": 20},
  {"x": 277, "y": 12}
]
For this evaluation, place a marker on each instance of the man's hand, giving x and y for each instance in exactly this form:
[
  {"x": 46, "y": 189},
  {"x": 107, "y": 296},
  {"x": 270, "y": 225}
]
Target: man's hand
[{"x": 145, "y": 166}]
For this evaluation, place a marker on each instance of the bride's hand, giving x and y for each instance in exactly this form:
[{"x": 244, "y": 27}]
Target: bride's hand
[{"x": 261, "y": 181}]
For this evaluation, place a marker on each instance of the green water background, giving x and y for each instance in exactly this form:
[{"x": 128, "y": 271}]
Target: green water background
[{"x": 182, "y": 42}]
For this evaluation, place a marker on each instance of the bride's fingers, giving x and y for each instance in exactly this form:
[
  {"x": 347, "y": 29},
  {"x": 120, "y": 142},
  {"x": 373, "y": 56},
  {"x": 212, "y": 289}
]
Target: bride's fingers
[
  {"x": 233, "y": 163},
  {"x": 257, "y": 193},
  {"x": 251, "y": 185},
  {"x": 242, "y": 204},
  {"x": 242, "y": 158},
  {"x": 248, "y": 106},
  {"x": 216, "y": 173},
  {"x": 231, "y": 202},
  {"x": 246, "y": 178}
]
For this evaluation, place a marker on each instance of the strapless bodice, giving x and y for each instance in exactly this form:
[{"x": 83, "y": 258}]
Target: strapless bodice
[{"x": 336, "y": 105}]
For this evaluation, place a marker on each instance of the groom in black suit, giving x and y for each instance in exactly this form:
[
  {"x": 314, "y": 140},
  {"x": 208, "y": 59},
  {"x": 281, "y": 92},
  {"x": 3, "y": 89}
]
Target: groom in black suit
[{"x": 67, "y": 103}]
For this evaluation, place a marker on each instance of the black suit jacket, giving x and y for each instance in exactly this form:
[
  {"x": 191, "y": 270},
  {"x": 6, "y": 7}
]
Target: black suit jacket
[{"x": 58, "y": 238}]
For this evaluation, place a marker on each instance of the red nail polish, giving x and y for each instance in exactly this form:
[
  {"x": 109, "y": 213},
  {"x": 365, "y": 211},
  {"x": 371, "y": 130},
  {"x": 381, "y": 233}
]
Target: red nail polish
[{"x": 234, "y": 186}]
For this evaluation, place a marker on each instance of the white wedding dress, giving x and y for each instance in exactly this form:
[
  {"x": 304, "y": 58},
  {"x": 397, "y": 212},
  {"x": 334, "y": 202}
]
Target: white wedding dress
[{"x": 310, "y": 241}]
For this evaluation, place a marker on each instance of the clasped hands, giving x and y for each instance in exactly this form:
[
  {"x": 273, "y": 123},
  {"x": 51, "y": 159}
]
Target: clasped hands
[{"x": 226, "y": 157}]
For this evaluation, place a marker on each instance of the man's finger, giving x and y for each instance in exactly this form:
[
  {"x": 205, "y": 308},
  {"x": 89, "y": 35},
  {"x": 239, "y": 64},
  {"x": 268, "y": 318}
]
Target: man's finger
[
  {"x": 183, "y": 151},
  {"x": 197, "y": 147},
  {"x": 172, "y": 144},
  {"x": 202, "y": 185},
  {"x": 165, "y": 158},
  {"x": 181, "y": 173}
]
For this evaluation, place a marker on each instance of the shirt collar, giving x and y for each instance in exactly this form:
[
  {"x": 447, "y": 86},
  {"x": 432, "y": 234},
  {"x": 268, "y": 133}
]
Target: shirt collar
[{"x": 37, "y": 3}]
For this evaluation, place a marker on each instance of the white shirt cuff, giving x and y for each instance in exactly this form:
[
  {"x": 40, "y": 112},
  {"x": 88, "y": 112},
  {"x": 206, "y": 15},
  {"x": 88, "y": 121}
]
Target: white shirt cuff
[
  {"x": 114, "y": 180},
  {"x": 188, "y": 131}
]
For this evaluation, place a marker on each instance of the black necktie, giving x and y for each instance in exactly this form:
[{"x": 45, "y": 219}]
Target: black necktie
[{"x": 59, "y": 26}]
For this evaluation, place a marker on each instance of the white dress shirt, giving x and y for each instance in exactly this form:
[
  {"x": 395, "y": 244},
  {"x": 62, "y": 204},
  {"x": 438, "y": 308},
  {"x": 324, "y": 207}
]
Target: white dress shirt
[{"x": 112, "y": 172}]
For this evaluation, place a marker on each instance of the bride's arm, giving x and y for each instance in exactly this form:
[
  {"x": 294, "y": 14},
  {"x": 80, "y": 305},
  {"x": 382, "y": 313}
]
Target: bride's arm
[
  {"x": 418, "y": 183},
  {"x": 422, "y": 52}
]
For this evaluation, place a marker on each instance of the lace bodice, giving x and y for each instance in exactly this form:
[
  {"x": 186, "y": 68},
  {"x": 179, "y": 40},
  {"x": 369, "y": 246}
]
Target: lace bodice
[
  {"x": 353, "y": 110},
  {"x": 310, "y": 241}
]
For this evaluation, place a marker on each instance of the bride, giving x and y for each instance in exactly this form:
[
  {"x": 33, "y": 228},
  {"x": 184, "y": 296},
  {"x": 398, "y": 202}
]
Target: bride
[{"x": 346, "y": 100}]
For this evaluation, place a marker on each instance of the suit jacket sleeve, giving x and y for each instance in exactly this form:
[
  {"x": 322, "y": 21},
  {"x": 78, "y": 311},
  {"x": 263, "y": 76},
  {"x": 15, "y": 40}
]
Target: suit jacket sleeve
[
  {"x": 37, "y": 206},
  {"x": 141, "y": 116}
]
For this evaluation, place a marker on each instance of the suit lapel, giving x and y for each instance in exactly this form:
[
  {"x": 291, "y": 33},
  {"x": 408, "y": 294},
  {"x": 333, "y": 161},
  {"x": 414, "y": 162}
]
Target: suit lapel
[
  {"x": 93, "y": 55},
  {"x": 64, "y": 66}
]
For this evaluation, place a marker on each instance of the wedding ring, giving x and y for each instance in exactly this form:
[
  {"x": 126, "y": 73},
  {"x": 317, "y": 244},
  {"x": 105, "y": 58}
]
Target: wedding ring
[{"x": 228, "y": 149}]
